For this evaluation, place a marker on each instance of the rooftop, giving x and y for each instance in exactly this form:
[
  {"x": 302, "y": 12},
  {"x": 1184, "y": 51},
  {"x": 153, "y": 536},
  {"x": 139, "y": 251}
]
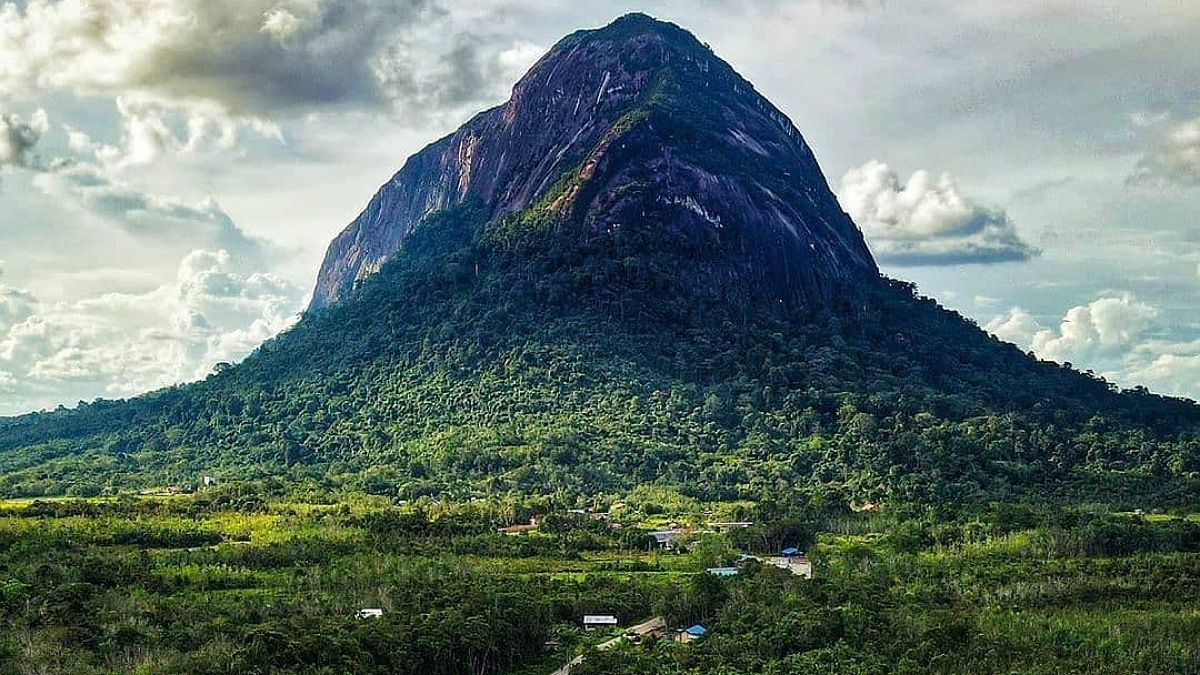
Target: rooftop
[{"x": 600, "y": 618}]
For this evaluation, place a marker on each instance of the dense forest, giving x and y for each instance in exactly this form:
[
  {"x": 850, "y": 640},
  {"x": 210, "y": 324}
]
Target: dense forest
[
  {"x": 242, "y": 579},
  {"x": 474, "y": 365}
]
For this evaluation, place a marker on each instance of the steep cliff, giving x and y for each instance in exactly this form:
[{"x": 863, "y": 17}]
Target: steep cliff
[{"x": 633, "y": 125}]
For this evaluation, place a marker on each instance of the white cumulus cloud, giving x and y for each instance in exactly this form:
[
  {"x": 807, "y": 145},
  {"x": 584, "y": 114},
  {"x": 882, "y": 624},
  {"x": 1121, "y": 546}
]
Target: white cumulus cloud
[
  {"x": 1017, "y": 326},
  {"x": 926, "y": 220},
  {"x": 1112, "y": 335},
  {"x": 1103, "y": 327},
  {"x": 1167, "y": 367},
  {"x": 119, "y": 344},
  {"x": 1174, "y": 157},
  {"x": 281, "y": 24},
  {"x": 519, "y": 58}
]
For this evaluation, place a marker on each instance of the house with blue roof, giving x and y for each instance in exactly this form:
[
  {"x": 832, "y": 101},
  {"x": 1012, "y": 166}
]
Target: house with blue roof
[
  {"x": 692, "y": 634},
  {"x": 791, "y": 560}
]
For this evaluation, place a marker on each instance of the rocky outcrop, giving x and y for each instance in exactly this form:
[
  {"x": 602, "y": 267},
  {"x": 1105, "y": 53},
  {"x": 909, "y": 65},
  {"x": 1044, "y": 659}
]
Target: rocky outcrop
[{"x": 636, "y": 122}]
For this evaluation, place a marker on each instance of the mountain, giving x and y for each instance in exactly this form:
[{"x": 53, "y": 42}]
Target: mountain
[
  {"x": 631, "y": 274},
  {"x": 636, "y": 121}
]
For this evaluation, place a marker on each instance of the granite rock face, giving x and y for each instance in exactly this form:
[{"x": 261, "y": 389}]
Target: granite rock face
[{"x": 636, "y": 124}]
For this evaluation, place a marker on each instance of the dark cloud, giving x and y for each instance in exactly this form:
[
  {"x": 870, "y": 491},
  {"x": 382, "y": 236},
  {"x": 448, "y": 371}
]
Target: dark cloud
[
  {"x": 16, "y": 305},
  {"x": 260, "y": 58},
  {"x": 150, "y": 217},
  {"x": 19, "y": 137},
  {"x": 908, "y": 254},
  {"x": 466, "y": 72}
]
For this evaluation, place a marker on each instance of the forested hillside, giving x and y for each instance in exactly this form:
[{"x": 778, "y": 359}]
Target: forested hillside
[{"x": 464, "y": 368}]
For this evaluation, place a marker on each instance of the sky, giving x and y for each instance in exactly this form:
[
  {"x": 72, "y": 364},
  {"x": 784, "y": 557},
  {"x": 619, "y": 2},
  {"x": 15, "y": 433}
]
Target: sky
[{"x": 171, "y": 171}]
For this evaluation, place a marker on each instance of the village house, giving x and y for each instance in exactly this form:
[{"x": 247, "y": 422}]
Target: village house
[
  {"x": 788, "y": 559},
  {"x": 597, "y": 621},
  {"x": 725, "y": 527},
  {"x": 791, "y": 560},
  {"x": 666, "y": 538},
  {"x": 518, "y": 529},
  {"x": 691, "y": 634}
]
